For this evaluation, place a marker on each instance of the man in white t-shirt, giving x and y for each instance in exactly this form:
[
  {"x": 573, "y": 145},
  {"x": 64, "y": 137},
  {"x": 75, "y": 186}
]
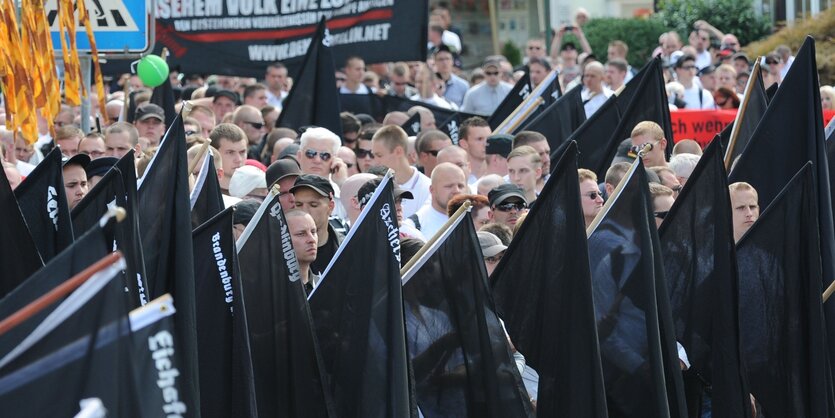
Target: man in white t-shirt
[
  {"x": 448, "y": 180},
  {"x": 389, "y": 146},
  {"x": 695, "y": 96},
  {"x": 700, "y": 40},
  {"x": 594, "y": 93},
  {"x": 354, "y": 70}
]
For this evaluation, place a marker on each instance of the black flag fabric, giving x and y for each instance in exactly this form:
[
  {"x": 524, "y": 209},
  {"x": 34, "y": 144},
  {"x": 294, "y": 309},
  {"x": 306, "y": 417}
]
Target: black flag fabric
[
  {"x": 313, "y": 100},
  {"x": 226, "y": 376},
  {"x": 452, "y": 127},
  {"x": 771, "y": 157},
  {"x": 697, "y": 245},
  {"x": 358, "y": 313},
  {"x": 521, "y": 90},
  {"x": 754, "y": 111},
  {"x": 18, "y": 255},
  {"x": 287, "y": 366},
  {"x": 557, "y": 121},
  {"x": 163, "y": 96},
  {"x": 782, "y": 325},
  {"x": 43, "y": 202},
  {"x": 412, "y": 125},
  {"x": 86, "y": 250},
  {"x": 460, "y": 355},
  {"x": 543, "y": 291},
  {"x": 387, "y": 104},
  {"x": 206, "y": 198},
  {"x": 165, "y": 221},
  {"x": 118, "y": 187},
  {"x": 637, "y": 343}
]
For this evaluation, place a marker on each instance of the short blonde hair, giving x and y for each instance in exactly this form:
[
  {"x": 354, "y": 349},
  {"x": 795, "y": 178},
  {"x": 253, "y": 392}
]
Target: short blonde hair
[
  {"x": 659, "y": 190},
  {"x": 650, "y": 128},
  {"x": 743, "y": 186},
  {"x": 526, "y": 151},
  {"x": 585, "y": 174},
  {"x": 726, "y": 68}
]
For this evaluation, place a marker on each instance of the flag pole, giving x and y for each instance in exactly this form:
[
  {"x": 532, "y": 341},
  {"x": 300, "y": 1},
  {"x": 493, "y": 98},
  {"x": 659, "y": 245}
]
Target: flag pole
[
  {"x": 525, "y": 114},
  {"x": 57, "y": 293},
  {"x": 755, "y": 72},
  {"x": 458, "y": 213},
  {"x": 193, "y": 163},
  {"x": 828, "y": 292},
  {"x": 616, "y": 192},
  {"x": 536, "y": 93}
]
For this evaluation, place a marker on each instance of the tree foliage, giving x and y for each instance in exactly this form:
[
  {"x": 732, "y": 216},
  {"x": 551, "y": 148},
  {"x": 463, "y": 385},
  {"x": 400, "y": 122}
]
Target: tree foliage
[{"x": 729, "y": 16}]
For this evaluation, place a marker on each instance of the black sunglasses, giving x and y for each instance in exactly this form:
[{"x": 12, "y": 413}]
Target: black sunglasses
[
  {"x": 434, "y": 152},
  {"x": 507, "y": 207},
  {"x": 661, "y": 215},
  {"x": 311, "y": 154},
  {"x": 256, "y": 125},
  {"x": 363, "y": 153},
  {"x": 593, "y": 195}
]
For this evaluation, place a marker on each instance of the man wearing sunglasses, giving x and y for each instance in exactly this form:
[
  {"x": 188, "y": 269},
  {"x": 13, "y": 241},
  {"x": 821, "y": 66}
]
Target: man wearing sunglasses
[
  {"x": 427, "y": 145},
  {"x": 662, "y": 200},
  {"x": 695, "y": 96},
  {"x": 317, "y": 155},
  {"x": 507, "y": 204},
  {"x": 485, "y": 97},
  {"x": 590, "y": 197},
  {"x": 250, "y": 120}
]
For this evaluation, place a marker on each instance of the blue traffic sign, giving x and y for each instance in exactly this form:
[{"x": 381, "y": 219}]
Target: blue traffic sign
[{"x": 119, "y": 26}]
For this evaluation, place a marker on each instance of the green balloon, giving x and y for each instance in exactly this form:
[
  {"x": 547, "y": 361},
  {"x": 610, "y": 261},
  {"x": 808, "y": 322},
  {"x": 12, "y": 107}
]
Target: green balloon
[{"x": 152, "y": 70}]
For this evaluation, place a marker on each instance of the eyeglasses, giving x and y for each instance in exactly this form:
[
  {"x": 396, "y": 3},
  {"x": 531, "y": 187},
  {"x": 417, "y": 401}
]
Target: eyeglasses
[
  {"x": 534, "y": 47},
  {"x": 771, "y": 62},
  {"x": 311, "y": 154},
  {"x": 636, "y": 149},
  {"x": 593, "y": 195},
  {"x": 661, "y": 215},
  {"x": 491, "y": 73},
  {"x": 689, "y": 67},
  {"x": 494, "y": 259},
  {"x": 256, "y": 125},
  {"x": 507, "y": 207},
  {"x": 363, "y": 153}
]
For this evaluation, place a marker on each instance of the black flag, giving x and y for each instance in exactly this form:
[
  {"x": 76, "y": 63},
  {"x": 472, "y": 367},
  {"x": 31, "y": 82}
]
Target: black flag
[
  {"x": 697, "y": 245},
  {"x": 285, "y": 356},
  {"x": 19, "y": 256},
  {"x": 165, "y": 221},
  {"x": 782, "y": 325},
  {"x": 206, "y": 198},
  {"x": 460, "y": 357},
  {"x": 412, "y": 125},
  {"x": 313, "y": 100},
  {"x": 637, "y": 342},
  {"x": 521, "y": 90},
  {"x": 358, "y": 313},
  {"x": 85, "y": 251},
  {"x": 557, "y": 121},
  {"x": 543, "y": 291},
  {"x": 43, "y": 202},
  {"x": 226, "y": 380},
  {"x": 754, "y": 111},
  {"x": 771, "y": 158},
  {"x": 118, "y": 187},
  {"x": 163, "y": 96}
]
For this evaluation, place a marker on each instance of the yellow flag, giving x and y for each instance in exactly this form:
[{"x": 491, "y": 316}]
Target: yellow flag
[
  {"x": 50, "y": 75},
  {"x": 72, "y": 68},
  {"x": 22, "y": 106},
  {"x": 84, "y": 18}
]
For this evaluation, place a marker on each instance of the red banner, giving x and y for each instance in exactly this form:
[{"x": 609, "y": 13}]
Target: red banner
[{"x": 703, "y": 125}]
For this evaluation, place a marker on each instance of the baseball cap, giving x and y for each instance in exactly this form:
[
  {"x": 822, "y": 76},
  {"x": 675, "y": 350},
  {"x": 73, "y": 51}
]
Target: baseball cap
[
  {"x": 100, "y": 166},
  {"x": 499, "y": 144},
  {"x": 492, "y": 63},
  {"x": 706, "y": 71},
  {"x": 149, "y": 110},
  {"x": 281, "y": 169},
  {"x": 319, "y": 184},
  {"x": 490, "y": 244},
  {"x": 78, "y": 159},
  {"x": 231, "y": 95},
  {"x": 367, "y": 190},
  {"x": 504, "y": 191},
  {"x": 244, "y": 211},
  {"x": 246, "y": 179},
  {"x": 441, "y": 48}
]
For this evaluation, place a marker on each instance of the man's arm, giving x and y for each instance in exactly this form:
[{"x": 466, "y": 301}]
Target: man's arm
[{"x": 703, "y": 25}]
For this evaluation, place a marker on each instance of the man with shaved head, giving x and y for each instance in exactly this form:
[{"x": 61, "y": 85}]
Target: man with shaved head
[
  {"x": 448, "y": 180},
  {"x": 349, "y": 195},
  {"x": 250, "y": 120},
  {"x": 594, "y": 93},
  {"x": 428, "y": 144},
  {"x": 456, "y": 156},
  {"x": 396, "y": 118}
]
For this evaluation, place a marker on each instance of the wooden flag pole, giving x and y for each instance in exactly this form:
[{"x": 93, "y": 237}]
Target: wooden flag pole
[
  {"x": 535, "y": 93},
  {"x": 57, "y": 293},
  {"x": 525, "y": 114},
  {"x": 465, "y": 208},
  {"x": 828, "y": 292},
  {"x": 193, "y": 163},
  {"x": 755, "y": 73},
  {"x": 615, "y": 193}
]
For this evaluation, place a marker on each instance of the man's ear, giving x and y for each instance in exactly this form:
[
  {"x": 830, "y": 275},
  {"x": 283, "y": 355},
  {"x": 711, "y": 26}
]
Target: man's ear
[{"x": 663, "y": 143}]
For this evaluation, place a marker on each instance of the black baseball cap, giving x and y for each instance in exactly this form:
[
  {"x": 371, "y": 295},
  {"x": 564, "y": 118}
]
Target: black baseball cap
[
  {"x": 319, "y": 184},
  {"x": 281, "y": 169},
  {"x": 441, "y": 48},
  {"x": 504, "y": 191},
  {"x": 78, "y": 159},
  {"x": 100, "y": 166},
  {"x": 706, "y": 71},
  {"x": 149, "y": 110},
  {"x": 367, "y": 190},
  {"x": 231, "y": 95},
  {"x": 244, "y": 211},
  {"x": 499, "y": 144}
]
